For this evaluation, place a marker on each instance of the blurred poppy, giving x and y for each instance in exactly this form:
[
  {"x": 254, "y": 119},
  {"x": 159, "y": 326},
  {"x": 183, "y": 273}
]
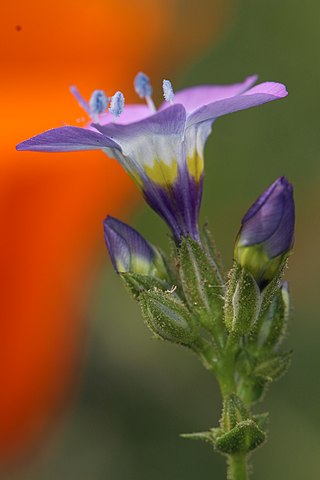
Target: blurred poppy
[{"x": 52, "y": 206}]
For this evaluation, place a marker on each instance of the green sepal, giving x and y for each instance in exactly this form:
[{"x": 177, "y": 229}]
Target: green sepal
[
  {"x": 273, "y": 325},
  {"x": 213, "y": 254},
  {"x": 272, "y": 288},
  {"x": 242, "y": 302},
  {"x": 137, "y": 283},
  {"x": 243, "y": 438},
  {"x": 201, "y": 286},
  {"x": 274, "y": 367},
  {"x": 172, "y": 263},
  {"x": 233, "y": 412},
  {"x": 167, "y": 317}
]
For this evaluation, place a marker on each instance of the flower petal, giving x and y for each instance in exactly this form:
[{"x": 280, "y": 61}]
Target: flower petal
[
  {"x": 178, "y": 205},
  {"x": 195, "y": 139},
  {"x": 131, "y": 113},
  {"x": 150, "y": 147},
  {"x": 194, "y": 97},
  {"x": 153, "y": 152},
  {"x": 263, "y": 93},
  {"x": 67, "y": 139}
]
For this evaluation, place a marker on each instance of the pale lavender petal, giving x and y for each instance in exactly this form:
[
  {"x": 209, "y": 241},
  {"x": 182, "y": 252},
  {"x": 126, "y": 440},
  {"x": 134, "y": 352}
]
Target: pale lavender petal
[
  {"x": 263, "y": 93},
  {"x": 157, "y": 137},
  {"x": 131, "y": 113},
  {"x": 194, "y": 97},
  {"x": 170, "y": 121},
  {"x": 195, "y": 138},
  {"x": 67, "y": 139}
]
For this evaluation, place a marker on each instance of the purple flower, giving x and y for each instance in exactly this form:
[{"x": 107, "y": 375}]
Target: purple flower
[
  {"x": 163, "y": 150},
  {"x": 130, "y": 252},
  {"x": 267, "y": 232}
]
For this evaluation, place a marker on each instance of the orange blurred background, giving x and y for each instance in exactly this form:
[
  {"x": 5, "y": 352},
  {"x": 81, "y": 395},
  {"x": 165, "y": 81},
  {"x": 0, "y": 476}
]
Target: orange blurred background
[{"x": 52, "y": 206}]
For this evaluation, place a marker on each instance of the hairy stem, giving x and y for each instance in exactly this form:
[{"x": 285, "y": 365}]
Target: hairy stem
[{"x": 237, "y": 467}]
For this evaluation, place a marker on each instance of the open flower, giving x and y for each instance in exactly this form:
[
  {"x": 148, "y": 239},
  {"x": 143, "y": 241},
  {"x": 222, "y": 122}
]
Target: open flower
[
  {"x": 267, "y": 232},
  {"x": 130, "y": 252},
  {"x": 162, "y": 150}
]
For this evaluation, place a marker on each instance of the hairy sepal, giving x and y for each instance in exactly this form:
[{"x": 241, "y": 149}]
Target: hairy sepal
[
  {"x": 167, "y": 317},
  {"x": 201, "y": 286},
  {"x": 242, "y": 302}
]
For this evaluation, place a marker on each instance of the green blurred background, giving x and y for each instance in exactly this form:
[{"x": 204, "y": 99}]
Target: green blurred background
[{"x": 138, "y": 394}]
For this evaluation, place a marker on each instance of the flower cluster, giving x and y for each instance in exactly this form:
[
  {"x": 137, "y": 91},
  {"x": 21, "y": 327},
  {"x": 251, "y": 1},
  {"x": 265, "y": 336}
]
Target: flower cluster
[{"x": 235, "y": 324}]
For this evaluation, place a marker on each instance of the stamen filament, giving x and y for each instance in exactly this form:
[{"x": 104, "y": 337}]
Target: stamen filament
[
  {"x": 75, "y": 92},
  {"x": 150, "y": 104},
  {"x": 143, "y": 88}
]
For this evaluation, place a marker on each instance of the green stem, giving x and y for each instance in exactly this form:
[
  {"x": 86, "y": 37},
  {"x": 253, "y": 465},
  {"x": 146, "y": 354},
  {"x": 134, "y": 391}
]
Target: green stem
[
  {"x": 237, "y": 463},
  {"x": 237, "y": 467},
  {"x": 225, "y": 375}
]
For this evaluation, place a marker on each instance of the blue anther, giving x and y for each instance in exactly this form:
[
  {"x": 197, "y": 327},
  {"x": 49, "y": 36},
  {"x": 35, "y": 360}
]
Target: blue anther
[
  {"x": 117, "y": 104},
  {"x": 142, "y": 85},
  {"x": 98, "y": 102},
  {"x": 168, "y": 92}
]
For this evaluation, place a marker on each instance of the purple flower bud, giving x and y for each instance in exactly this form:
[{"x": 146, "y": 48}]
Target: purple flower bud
[
  {"x": 267, "y": 232},
  {"x": 130, "y": 252}
]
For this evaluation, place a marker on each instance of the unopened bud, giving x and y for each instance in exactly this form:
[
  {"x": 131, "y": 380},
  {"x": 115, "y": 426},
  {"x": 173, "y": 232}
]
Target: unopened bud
[{"x": 267, "y": 232}]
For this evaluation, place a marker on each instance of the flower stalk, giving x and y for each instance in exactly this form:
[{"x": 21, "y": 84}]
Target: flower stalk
[{"x": 237, "y": 467}]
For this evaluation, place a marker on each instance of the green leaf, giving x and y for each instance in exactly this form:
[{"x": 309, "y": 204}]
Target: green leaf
[
  {"x": 203, "y": 436},
  {"x": 262, "y": 420},
  {"x": 209, "y": 437},
  {"x": 252, "y": 389},
  {"x": 274, "y": 367}
]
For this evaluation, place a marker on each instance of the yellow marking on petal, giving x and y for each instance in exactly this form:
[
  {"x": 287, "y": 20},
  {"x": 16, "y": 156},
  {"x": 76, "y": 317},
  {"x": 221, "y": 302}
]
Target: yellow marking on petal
[
  {"x": 140, "y": 265},
  {"x": 195, "y": 165},
  {"x": 161, "y": 173},
  {"x": 120, "y": 266},
  {"x": 256, "y": 260}
]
